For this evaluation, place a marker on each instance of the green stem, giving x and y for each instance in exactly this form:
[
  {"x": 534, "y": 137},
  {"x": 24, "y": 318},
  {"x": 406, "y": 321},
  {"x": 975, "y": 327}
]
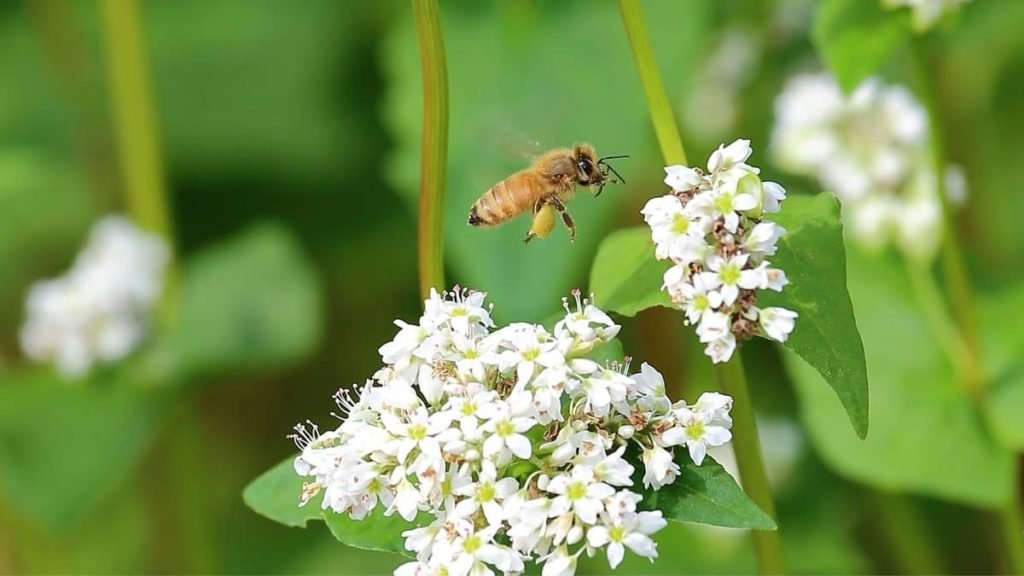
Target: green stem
[
  {"x": 1013, "y": 529},
  {"x": 731, "y": 378},
  {"x": 960, "y": 295},
  {"x": 929, "y": 296},
  {"x": 904, "y": 534},
  {"x": 434, "y": 145},
  {"x": 745, "y": 442},
  {"x": 654, "y": 91},
  {"x": 138, "y": 142}
]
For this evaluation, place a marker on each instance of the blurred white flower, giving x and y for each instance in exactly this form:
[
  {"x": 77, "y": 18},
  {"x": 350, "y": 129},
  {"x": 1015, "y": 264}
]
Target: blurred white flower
[
  {"x": 99, "y": 311},
  {"x": 513, "y": 440},
  {"x": 870, "y": 149},
  {"x": 925, "y": 12},
  {"x": 712, "y": 230}
]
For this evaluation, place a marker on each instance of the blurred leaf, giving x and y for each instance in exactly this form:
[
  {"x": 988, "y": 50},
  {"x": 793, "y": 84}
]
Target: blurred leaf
[
  {"x": 625, "y": 277},
  {"x": 1003, "y": 353},
  {"x": 512, "y": 79},
  {"x": 926, "y": 436},
  {"x": 856, "y": 37},
  {"x": 66, "y": 446},
  {"x": 275, "y": 494},
  {"x": 375, "y": 532},
  {"x": 251, "y": 303},
  {"x": 826, "y": 337},
  {"x": 706, "y": 494}
]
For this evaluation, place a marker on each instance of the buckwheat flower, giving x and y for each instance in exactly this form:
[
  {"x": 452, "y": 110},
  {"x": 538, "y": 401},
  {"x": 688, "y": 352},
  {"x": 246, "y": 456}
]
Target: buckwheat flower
[
  {"x": 925, "y": 12},
  {"x": 715, "y": 234},
  {"x": 697, "y": 432},
  {"x": 682, "y": 178},
  {"x": 99, "y": 311},
  {"x": 506, "y": 437},
  {"x": 512, "y": 441},
  {"x": 776, "y": 322},
  {"x": 580, "y": 493},
  {"x": 659, "y": 467},
  {"x": 632, "y": 530},
  {"x": 869, "y": 148}
]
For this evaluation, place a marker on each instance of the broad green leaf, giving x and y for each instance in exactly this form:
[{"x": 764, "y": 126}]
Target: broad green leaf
[
  {"x": 375, "y": 532},
  {"x": 826, "y": 337},
  {"x": 516, "y": 89},
  {"x": 926, "y": 435},
  {"x": 705, "y": 494},
  {"x": 1003, "y": 353},
  {"x": 275, "y": 494},
  {"x": 251, "y": 302},
  {"x": 625, "y": 277},
  {"x": 64, "y": 447},
  {"x": 856, "y": 37}
]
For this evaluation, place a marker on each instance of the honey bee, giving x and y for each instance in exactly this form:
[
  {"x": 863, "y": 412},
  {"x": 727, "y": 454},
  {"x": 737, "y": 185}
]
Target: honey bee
[{"x": 544, "y": 188}]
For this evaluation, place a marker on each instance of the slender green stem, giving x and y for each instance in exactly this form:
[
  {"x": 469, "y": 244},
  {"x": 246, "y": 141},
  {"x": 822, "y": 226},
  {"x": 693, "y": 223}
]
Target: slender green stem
[
  {"x": 654, "y": 91},
  {"x": 929, "y": 296},
  {"x": 745, "y": 442},
  {"x": 904, "y": 534},
  {"x": 138, "y": 141},
  {"x": 434, "y": 145},
  {"x": 960, "y": 294},
  {"x": 1013, "y": 530},
  {"x": 731, "y": 378}
]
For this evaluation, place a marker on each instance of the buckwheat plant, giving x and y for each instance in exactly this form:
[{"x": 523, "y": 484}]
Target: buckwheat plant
[
  {"x": 513, "y": 441},
  {"x": 871, "y": 150},
  {"x": 712, "y": 227},
  {"x": 98, "y": 311}
]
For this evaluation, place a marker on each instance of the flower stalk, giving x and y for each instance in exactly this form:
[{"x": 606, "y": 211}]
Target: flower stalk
[
  {"x": 433, "y": 147},
  {"x": 730, "y": 374}
]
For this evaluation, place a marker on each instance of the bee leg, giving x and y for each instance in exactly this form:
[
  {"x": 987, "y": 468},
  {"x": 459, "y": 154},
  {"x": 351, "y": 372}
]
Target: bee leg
[{"x": 566, "y": 218}]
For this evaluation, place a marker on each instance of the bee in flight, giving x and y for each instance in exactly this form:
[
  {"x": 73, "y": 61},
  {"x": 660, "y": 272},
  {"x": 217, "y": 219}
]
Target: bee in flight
[{"x": 544, "y": 188}]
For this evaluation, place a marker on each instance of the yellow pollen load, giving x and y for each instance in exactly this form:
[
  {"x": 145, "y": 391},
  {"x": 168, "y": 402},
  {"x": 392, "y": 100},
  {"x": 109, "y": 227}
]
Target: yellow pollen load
[{"x": 543, "y": 222}]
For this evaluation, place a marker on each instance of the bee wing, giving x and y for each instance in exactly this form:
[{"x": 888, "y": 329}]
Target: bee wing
[{"x": 512, "y": 142}]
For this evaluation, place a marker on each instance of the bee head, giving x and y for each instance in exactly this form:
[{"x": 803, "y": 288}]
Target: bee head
[{"x": 594, "y": 171}]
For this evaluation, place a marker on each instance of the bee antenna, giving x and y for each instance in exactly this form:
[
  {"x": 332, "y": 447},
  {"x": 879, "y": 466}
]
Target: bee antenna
[
  {"x": 617, "y": 175},
  {"x": 600, "y": 160}
]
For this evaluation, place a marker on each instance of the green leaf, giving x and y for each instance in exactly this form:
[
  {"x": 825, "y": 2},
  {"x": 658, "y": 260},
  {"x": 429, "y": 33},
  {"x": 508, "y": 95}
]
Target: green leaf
[
  {"x": 826, "y": 337},
  {"x": 856, "y": 37},
  {"x": 926, "y": 435},
  {"x": 495, "y": 119},
  {"x": 251, "y": 302},
  {"x": 1003, "y": 349},
  {"x": 66, "y": 447},
  {"x": 625, "y": 277},
  {"x": 375, "y": 532},
  {"x": 705, "y": 494},
  {"x": 275, "y": 494}
]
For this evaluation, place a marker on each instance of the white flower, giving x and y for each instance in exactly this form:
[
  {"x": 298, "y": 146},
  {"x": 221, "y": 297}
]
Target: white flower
[
  {"x": 721, "y": 349},
  {"x": 697, "y": 431},
  {"x": 506, "y": 432},
  {"x": 729, "y": 275},
  {"x": 682, "y": 178},
  {"x": 777, "y": 322},
  {"x": 870, "y": 149},
  {"x": 659, "y": 467},
  {"x": 727, "y": 157},
  {"x": 580, "y": 493},
  {"x": 99, "y": 311},
  {"x": 514, "y": 436},
  {"x": 632, "y": 531}
]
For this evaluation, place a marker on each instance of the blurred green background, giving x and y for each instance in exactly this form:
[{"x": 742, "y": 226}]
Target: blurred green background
[{"x": 290, "y": 133}]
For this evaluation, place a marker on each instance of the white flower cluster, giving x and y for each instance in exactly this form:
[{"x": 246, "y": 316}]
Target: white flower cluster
[
  {"x": 99, "y": 310},
  {"x": 511, "y": 441},
  {"x": 925, "y": 12},
  {"x": 710, "y": 227},
  {"x": 871, "y": 150}
]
